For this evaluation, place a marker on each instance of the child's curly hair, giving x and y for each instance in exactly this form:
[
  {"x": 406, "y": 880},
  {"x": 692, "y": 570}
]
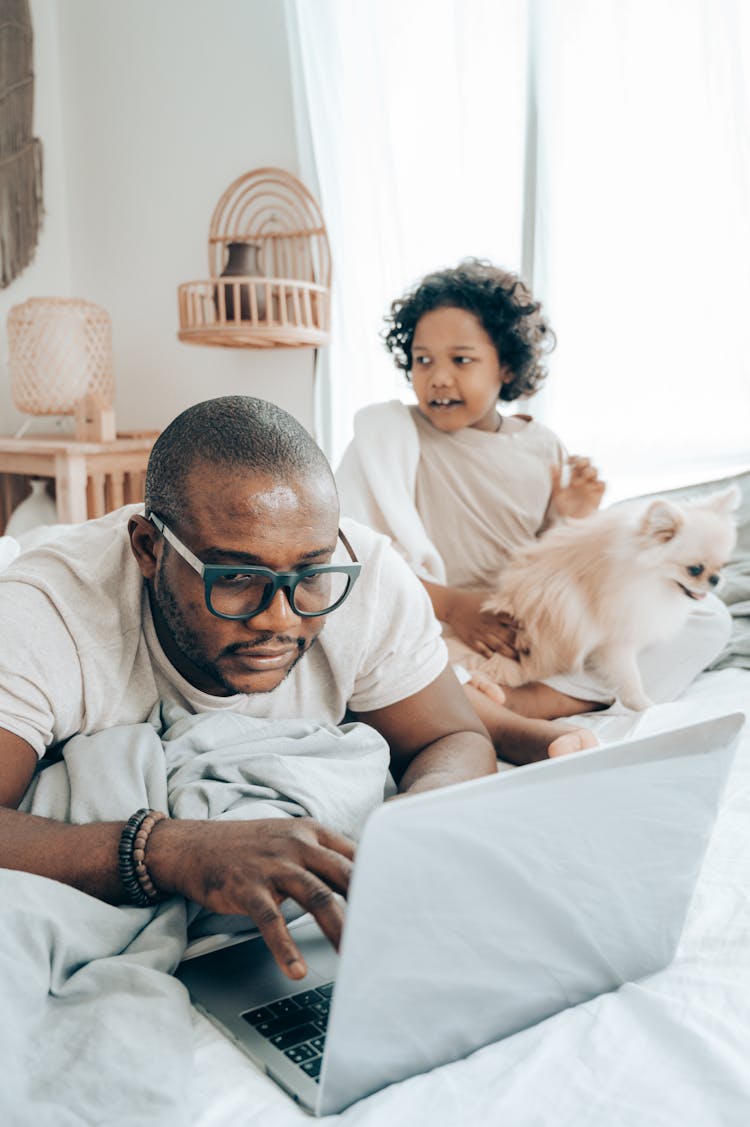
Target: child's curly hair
[{"x": 503, "y": 304}]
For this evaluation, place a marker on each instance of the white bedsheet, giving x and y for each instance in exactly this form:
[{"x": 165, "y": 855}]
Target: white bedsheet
[{"x": 670, "y": 1051}]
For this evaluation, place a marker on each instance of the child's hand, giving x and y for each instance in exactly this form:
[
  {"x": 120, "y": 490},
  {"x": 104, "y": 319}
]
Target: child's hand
[
  {"x": 583, "y": 492},
  {"x": 483, "y": 630}
]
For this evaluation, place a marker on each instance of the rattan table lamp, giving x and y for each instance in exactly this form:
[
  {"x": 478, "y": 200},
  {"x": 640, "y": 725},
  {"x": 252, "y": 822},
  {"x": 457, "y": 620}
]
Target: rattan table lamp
[
  {"x": 269, "y": 265},
  {"x": 60, "y": 359}
]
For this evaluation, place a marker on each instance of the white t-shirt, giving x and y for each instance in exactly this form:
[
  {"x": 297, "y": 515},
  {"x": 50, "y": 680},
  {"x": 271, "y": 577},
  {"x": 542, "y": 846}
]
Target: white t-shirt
[{"x": 79, "y": 651}]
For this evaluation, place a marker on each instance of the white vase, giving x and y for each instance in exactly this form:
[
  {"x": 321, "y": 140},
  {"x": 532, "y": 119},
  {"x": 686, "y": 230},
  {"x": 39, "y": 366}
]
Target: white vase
[{"x": 36, "y": 509}]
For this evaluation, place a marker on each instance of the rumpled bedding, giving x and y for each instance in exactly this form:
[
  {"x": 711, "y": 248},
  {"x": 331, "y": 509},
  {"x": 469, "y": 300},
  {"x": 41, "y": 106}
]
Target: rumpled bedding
[
  {"x": 95, "y": 1029},
  {"x": 96, "y": 1032}
]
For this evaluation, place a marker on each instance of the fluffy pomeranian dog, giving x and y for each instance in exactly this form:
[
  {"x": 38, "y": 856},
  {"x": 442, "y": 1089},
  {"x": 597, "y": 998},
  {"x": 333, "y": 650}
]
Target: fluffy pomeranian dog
[{"x": 593, "y": 593}]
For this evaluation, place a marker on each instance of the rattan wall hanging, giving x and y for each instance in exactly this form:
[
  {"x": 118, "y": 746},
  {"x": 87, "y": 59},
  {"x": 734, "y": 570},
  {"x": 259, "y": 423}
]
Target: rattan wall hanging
[
  {"x": 20, "y": 153},
  {"x": 270, "y": 269}
]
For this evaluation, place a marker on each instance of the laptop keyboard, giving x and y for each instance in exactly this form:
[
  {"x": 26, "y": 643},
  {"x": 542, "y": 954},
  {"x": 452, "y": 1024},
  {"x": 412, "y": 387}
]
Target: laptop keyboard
[{"x": 296, "y": 1025}]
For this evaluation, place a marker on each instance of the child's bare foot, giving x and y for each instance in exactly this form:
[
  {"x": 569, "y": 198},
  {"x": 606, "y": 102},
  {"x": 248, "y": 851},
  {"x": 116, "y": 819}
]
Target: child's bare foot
[
  {"x": 522, "y": 739},
  {"x": 575, "y": 739},
  {"x": 489, "y": 688}
]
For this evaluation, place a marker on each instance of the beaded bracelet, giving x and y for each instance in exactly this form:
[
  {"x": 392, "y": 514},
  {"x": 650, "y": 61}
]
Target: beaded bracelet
[{"x": 134, "y": 875}]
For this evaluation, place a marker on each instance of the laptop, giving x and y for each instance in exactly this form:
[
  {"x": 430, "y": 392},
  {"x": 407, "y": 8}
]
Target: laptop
[{"x": 476, "y": 911}]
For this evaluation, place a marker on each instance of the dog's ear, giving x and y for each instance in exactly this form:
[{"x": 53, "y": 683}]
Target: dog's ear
[
  {"x": 661, "y": 521},
  {"x": 724, "y": 501}
]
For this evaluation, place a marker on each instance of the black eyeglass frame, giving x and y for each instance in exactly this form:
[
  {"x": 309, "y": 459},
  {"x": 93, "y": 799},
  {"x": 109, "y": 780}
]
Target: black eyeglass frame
[{"x": 286, "y": 581}]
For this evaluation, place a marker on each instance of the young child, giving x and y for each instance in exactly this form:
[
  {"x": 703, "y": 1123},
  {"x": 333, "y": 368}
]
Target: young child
[{"x": 460, "y": 487}]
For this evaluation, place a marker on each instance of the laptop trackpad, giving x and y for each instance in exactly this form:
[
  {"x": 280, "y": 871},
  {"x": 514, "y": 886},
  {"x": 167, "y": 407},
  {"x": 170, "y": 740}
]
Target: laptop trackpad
[{"x": 245, "y": 974}]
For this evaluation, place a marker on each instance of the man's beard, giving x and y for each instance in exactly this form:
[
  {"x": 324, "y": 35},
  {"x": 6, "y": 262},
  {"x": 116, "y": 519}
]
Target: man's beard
[{"x": 187, "y": 642}]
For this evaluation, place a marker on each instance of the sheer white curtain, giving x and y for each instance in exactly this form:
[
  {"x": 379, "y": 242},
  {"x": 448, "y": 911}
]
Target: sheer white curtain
[
  {"x": 642, "y": 231},
  {"x": 416, "y": 113},
  {"x": 600, "y": 146}
]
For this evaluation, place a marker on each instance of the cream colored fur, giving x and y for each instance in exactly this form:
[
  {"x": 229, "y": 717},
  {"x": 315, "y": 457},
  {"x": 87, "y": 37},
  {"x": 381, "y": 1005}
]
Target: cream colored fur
[{"x": 593, "y": 593}]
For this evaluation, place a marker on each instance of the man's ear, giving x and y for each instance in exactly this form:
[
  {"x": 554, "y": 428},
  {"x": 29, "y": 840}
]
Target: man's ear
[{"x": 143, "y": 538}]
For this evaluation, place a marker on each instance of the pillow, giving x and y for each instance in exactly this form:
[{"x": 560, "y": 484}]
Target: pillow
[{"x": 735, "y": 591}]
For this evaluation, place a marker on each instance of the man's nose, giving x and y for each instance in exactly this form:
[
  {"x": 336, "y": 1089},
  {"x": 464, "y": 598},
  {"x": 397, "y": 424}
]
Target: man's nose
[{"x": 278, "y": 615}]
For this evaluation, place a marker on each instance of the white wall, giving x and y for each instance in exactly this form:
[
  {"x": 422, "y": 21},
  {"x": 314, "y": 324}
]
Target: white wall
[{"x": 161, "y": 105}]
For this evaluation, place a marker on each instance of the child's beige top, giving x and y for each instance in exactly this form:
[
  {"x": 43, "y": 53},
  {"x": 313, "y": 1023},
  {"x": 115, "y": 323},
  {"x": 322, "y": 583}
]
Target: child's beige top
[{"x": 481, "y": 495}]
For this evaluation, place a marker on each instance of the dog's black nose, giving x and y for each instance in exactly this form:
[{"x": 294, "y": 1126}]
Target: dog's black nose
[{"x": 714, "y": 580}]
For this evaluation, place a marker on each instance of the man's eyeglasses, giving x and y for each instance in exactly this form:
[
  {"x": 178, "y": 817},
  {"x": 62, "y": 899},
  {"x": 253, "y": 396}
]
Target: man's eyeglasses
[{"x": 243, "y": 592}]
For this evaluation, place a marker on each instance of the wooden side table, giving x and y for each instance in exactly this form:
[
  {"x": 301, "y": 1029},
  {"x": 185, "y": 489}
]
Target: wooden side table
[{"x": 91, "y": 478}]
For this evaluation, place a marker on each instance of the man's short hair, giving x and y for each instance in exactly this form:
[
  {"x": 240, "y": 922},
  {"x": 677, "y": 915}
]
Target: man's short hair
[{"x": 236, "y": 433}]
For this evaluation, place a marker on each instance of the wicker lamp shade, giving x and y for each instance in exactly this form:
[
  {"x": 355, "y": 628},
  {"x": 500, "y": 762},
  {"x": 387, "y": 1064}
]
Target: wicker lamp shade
[
  {"x": 60, "y": 350},
  {"x": 269, "y": 266}
]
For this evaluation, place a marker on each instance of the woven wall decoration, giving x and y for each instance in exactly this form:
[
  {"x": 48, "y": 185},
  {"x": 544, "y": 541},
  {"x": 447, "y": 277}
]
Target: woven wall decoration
[
  {"x": 20, "y": 153},
  {"x": 269, "y": 266}
]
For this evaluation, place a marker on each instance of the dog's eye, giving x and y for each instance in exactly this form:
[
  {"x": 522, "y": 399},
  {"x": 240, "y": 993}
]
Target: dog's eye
[{"x": 696, "y": 569}]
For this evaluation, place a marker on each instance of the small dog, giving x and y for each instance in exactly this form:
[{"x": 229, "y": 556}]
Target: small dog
[{"x": 593, "y": 593}]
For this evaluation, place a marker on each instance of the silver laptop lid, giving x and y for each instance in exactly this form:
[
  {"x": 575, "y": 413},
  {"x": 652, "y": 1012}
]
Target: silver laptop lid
[{"x": 480, "y": 909}]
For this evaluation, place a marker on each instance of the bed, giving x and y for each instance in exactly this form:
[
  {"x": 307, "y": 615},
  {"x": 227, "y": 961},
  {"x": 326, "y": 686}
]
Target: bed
[{"x": 97, "y": 1030}]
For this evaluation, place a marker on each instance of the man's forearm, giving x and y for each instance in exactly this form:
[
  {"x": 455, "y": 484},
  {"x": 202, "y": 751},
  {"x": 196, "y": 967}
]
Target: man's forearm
[
  {"x": 452, "y": 759},
  {"x": 233, "y": 868},
  {"x": 82, "y": 856}
]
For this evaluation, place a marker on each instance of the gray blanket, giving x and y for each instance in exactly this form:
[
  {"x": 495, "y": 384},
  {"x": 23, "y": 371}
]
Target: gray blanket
[
  {"x": 95, "y": 1030},
  {"x": 737, "y": 650}
]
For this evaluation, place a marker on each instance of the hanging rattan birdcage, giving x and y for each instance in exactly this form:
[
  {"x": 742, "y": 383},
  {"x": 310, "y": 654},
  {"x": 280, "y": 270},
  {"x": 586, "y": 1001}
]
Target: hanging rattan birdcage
[{"x": 270, "y": 269}]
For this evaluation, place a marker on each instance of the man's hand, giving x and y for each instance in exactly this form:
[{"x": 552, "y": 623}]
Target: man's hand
[
  {"x": 583, "y": 493},
  {"x": 243, "y": 868},
  {"x": 248, "y": 868},
  {"x": 483, "y": 630}
]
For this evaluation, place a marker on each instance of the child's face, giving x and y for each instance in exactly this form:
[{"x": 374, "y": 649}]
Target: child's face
[{"x": 456, "y": 371}]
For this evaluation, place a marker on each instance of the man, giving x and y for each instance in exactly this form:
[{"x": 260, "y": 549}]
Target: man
[{"x": 221, "y": 595}]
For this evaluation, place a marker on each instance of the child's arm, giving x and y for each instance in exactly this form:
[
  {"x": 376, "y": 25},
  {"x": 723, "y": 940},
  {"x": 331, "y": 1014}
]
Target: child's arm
[
  {"x": 485, "y": 631},
  {"x": 582, "y": 494}
]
